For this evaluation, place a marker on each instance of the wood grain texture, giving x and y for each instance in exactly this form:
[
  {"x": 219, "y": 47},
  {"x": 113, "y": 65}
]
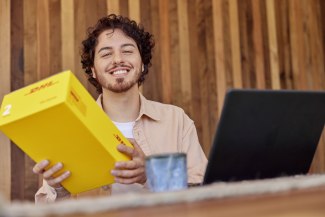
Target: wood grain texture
[
  {"x": 55, "y": 37},
  {"x": 235, "y": 44},
  {"x": 184, "y": 56},
  {"x": 134, "y": 10},
  {"x": 31, "y": 41},
  {"x": 43, "y": 42},
  {"x": 295, "y": 203},
  {"x": 174, "y": 53},
  {"x": 193, "y": 19},
  {"x": 203, "y": 48},
  {"x": 258, "y": 45},
  {"x": 298, "y": 44},
  {"x": 273, "y": 45},
  {"x": 67, "y": 34},
  {"x": 113, "y": 7},
  {"x": 16, "y": 81},
  {"x": 211, "y": 81},
  {"x": 219, "y": 51},
  {"x": 165, "y": 50},
  {"x": 5, "y": 162},
  {"x": 153, "y": 84}
]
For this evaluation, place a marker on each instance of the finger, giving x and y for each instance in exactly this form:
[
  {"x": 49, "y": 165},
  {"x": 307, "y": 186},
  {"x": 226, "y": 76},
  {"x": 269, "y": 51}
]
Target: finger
[
  {"x": 51, "y": 171},
  {"x": 137, "y": 148},
  {"x": 126, "y": 150},
  {"x": 127, "y": 173},
  {"x": 128, "y": 180},
  {"x": 133, "y": 164},
  {"x": 39, "y": 167},
  {"x": 55, "y": 181}
]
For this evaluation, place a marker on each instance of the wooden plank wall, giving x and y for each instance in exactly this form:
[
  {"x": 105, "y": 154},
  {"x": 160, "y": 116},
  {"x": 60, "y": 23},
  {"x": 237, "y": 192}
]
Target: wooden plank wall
[
  {"x": 5, "y": 163},
  {"x": 203, "y": 47}
]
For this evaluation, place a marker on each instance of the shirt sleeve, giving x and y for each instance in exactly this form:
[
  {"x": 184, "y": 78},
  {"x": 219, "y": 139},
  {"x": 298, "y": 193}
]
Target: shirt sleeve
[
  {"x": 47, "y": 194},
  {"x": 196, "y": 159}
]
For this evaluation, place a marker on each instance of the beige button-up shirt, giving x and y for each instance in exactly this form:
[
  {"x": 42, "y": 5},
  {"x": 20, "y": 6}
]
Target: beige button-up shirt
[{"x": 159, "y": 128}]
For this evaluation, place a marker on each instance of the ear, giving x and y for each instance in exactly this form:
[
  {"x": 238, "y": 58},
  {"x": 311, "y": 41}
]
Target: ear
[
  {"x": 93, "y": 72},
  {"x": 142, "y": 67}
]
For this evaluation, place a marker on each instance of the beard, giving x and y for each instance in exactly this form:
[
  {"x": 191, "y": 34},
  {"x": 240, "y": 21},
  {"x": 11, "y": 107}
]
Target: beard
[{"x": 120, "y": 85}]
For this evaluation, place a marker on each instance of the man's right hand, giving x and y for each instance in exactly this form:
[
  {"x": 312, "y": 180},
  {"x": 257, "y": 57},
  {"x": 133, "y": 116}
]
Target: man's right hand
[{"x": 54, "y": 182}]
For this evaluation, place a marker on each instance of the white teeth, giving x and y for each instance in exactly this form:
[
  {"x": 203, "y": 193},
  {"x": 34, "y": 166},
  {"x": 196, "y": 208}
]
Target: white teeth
[{"x": 119, "y": 72}]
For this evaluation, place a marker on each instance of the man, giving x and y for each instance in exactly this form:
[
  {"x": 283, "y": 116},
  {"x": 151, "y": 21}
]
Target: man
[{"x": 116, "y": 57}]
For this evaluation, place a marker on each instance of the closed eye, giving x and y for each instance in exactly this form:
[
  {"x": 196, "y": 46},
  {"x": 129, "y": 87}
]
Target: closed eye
[
  {"x": 106, "y": 54},
  {"x": 127, "y": 52}
]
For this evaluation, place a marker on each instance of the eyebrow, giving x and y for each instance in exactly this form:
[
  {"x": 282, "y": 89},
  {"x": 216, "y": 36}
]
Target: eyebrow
[{"x": 110, "y": 48}]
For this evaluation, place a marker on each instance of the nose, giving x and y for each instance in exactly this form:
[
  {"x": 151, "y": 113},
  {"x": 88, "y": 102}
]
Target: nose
[{"x": 117, "y": 58}]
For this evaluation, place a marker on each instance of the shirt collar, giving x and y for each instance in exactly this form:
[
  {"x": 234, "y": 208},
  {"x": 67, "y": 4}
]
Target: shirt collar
[{"x": 146, "y": 108}]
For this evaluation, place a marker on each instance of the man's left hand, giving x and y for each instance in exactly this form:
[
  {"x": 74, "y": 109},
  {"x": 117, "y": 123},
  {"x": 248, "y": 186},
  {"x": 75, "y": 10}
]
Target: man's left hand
[{"x": 133, "y": 171}]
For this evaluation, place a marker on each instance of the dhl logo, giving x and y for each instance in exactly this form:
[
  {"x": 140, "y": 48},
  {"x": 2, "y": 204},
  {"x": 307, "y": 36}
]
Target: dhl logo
[
  {"x": 41, "y": 87},
  {"x": 119, "y": 139}
]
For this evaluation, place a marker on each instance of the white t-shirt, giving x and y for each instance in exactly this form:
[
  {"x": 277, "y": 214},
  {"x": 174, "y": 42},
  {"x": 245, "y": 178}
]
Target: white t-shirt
[{"x": 126, "y": 128}]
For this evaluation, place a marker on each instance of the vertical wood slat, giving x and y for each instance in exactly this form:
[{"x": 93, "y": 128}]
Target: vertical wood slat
[
  {"x": 266, "y": 50},
  {"x": 219, "y": 51},
  {"x": 227, "y": 44},
  {"x": 123, "y": 7},
  {"x": 184, "y": 55},
  {"x": 17, "y": 80},
  {"x": 113, "y": 7},
  {"x": 321, "y": 12},
  {"x": 79, "y": 25},
  {"x": 43, "y": 36},
  {"x": 306, "y": 39},
  {"x": 284, "y": 42},
  {"x": 5, "y": 162},
  {"x": 258, "y": 45},
  {"x": 235, "y": 44},
  {"x": 55, "y": 33},
  {"x": 195, "y": 68},
  {"x": 30, "y": 42},
  {"x": 202, "y": 59},
  {"x": 144, "y": 19},
  {"x": 297, "y": 44},
  {"x": 317, "y": 65},
  {"x": 134, "y": 10},
  {"x": 245, "y": 54},
  {"x": 165, "y": 50},
  {"x": 153, "y": 85},
  {"x": 176, "y": 97},
  {"x": 67, "y": 34},
  {"x": 294, "y": 42},
  {"x": 273, "y": 49},
  {"x": 211, "y": 90},
  {"x": 135, "y": 14}
]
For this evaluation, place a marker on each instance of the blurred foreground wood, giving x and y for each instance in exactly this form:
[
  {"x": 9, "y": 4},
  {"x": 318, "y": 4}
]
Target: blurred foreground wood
[
  {"x": 297, "y": 203},
  {"x": 284, "y": 196}
]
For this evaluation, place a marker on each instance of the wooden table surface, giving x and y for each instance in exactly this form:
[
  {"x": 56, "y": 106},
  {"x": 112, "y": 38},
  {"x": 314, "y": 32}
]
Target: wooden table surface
[{"x": 297, "y": 203}]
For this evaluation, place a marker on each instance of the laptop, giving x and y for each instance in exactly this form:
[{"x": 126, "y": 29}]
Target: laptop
[{"x": 266, "y": 134}]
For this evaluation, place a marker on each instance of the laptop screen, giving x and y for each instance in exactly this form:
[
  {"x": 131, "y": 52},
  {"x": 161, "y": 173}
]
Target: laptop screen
[{"x": 266, "y": 134}]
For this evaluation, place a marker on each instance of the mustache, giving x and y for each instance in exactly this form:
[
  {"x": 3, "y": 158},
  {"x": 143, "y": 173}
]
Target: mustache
[{"x": 118, "y": 66}]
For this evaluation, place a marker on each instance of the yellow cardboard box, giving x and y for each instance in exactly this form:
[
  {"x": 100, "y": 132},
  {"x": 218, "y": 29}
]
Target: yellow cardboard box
[{"x": 57, "y": 119}]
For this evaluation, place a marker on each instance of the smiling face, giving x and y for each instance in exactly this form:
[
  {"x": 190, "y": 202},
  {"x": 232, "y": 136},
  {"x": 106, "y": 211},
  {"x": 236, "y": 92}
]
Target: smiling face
[{"x": 117, "y": 61}]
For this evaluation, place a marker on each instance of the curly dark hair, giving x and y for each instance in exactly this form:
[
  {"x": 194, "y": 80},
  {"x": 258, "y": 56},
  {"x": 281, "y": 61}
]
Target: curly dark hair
[{"x": 143, "y": 39}]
